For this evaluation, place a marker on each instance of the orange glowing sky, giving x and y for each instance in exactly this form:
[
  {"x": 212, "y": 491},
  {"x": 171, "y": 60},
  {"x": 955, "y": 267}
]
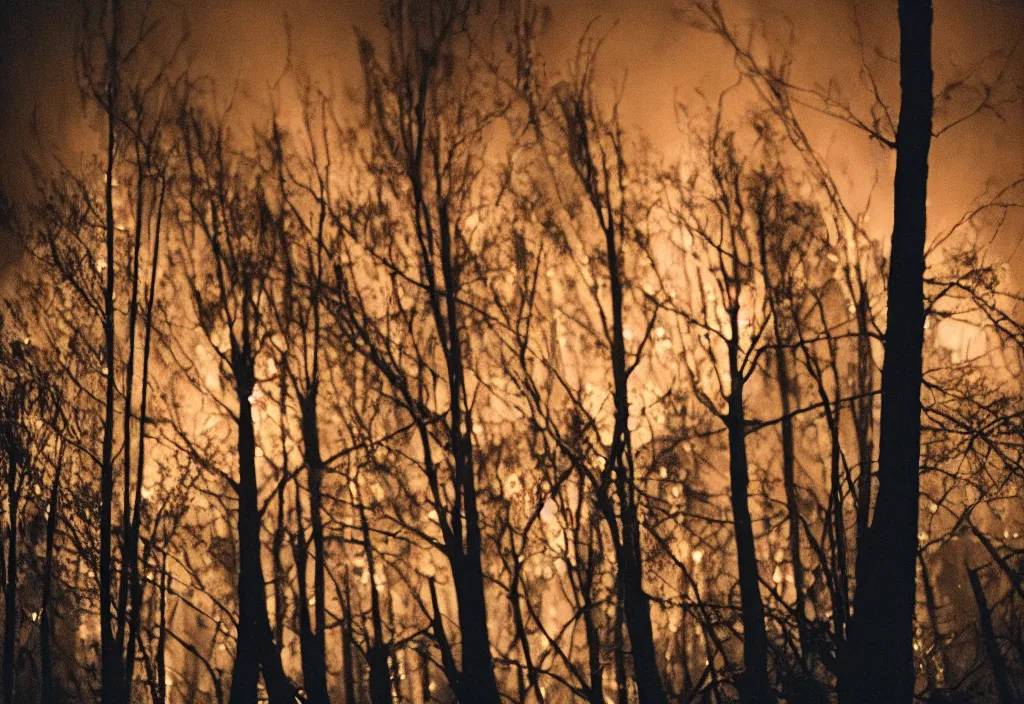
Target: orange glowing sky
[{"x": 650, "y": 47}]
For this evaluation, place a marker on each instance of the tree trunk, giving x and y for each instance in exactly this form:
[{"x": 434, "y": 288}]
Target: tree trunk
[
  {"x": 880, "y": 662},
  {"x": 863, "y": 411},
  {"x": 314, "y": 663},
  {"x": 277, "y": 568},
  {"x": 792, "y": 502},
  {"x": 256, "y": 645},
  {"x": 938, "y": 639},
  {"x": 137, "y": 584},
  {"x": 636, "y": 604},
  {"x": 13, "y": 457},
  {"x": 127, "y": 586},
  {"x": 988, "y": 636},
  {"x": 519, "y": 623},
  {"x": 756, "y": 687},
  {"x": 840, "y": 610},
  {"x": 48, "y": 684},
  {"x": 300, "y": 557},
  {"x": 377, "y": 655},
  {"x": 593, "y": 634},
  {"x": 425, "y": 695},
  {"x": 110, "y": 658},
  {"x": 783, "y": 379},
  {"x": 477, "y": 684},
  {"x": 380, "y": 675},
  {"x": 161, "y": 643},
  {"x": 348, "y": 672},
  {"x": 619, "y": 648}
]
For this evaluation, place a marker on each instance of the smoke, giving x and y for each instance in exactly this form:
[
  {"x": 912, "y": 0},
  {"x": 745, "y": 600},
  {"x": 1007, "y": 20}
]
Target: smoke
[{"x": 651, "y": 52}]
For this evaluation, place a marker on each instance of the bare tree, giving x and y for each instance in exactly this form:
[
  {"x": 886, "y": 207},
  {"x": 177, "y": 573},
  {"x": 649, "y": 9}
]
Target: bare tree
[
  {"x": 426, "y": 122},
  {"x": 227, "y": 220},
  {"x": 880, "y": 656}
]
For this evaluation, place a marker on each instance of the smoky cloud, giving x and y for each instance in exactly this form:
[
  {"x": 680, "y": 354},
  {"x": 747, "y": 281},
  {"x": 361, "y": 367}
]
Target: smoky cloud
[{"x": 652, "y": 53}]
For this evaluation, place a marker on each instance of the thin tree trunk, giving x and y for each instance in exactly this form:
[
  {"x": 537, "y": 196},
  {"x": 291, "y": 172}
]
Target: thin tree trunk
[
  {"x": 782, "y": 378},
  {"x": 756, "y": 686},
  {"x": 110, "y": 658},
  {"x": 425, "y": 695},
  {"x": 519, "y": 623},
  {"x": 377, "y": 654},
  {"x": 840, "y": 610},
  {"x": 478, "y": 684},
  {"x": 636, "y": 604},
  {"x": 1011, "y": 574},
  {"x": 48, "y": 684},
  {"x": 256, "y": 645},
  {"x": 880, "y": 663},
  {"x": 619, "y": 648},
  {"x": 792, "y": 502},
  {"x": 863, "y": 412},
  {"x": 593, "y": 634},
  {"x": 13, "y": 457},
  {"x": 277, "y": 568},
  {"x": 939, "y": 644},
  {"x": 596, "y": 693},
  {"x": 300, "y": 557},
  {"x": 128, "y": 561},
  {"x": 134, "y": 528},
  {"x": 161, "y": 644},
  {"x": 348, "y": 671},
  {"x": 314, "y": 664},
  {"x": 684, "y": 644},
  {"x": 988, "y": 636},
  {"x": 755, "y": 640}
]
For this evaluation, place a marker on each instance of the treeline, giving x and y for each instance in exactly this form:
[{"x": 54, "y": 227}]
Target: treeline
[{"x": 474, "y": 395}]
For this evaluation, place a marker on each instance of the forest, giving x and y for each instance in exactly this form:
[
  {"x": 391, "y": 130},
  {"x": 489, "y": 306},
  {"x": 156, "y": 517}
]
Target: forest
[{"x": 459, "y": 387}]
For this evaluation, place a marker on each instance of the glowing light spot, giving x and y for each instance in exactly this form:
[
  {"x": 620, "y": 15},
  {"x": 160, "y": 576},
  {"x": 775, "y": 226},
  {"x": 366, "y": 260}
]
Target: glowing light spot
[{"x": 513, "y": 485}]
